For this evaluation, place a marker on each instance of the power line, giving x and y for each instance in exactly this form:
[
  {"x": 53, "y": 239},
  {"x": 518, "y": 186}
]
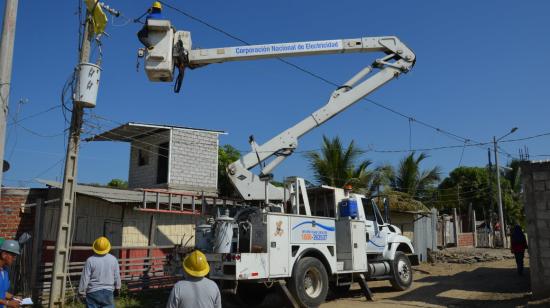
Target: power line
[
  {"x": 234, "y": 37},
  {"x": 15, "y": 122},
  {"x": 527, "y": 138}
]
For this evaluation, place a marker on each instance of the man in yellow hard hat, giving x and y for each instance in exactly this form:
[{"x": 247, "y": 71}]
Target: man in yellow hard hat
[
  {"x": 196, "y": 290},
  {"x": 100, "y": 276}
]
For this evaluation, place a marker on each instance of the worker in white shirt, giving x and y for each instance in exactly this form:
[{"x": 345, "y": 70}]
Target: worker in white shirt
[
  {"x": 100, "y": 276},
  {"x": 196, "y": 290}
]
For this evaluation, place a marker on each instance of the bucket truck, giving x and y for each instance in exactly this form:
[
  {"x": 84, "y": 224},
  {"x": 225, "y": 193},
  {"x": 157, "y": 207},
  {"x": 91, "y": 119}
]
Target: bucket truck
[{"x": 309, "y": 239}]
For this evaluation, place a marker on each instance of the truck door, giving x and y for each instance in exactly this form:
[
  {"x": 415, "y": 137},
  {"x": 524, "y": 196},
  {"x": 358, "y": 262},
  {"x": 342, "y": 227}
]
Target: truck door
[
  {"x": 371, "y": 226},
  {"x": 377, "y": 235}
]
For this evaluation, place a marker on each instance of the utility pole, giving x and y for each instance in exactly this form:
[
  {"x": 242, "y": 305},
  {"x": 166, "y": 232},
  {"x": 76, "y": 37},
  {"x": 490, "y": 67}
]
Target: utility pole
[
  {"x": 490, "y": 207},
  {"x": 500, "y": 213},
  {"x": 62, "y": 247},
  {"x": 6, "y": 60},
  {"x": 87, "y": 76}
]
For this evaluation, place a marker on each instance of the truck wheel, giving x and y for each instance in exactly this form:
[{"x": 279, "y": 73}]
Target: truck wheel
[
  {"x": 402, "y": 272},
  {"x": 309, "y": 282},
  {"x": 251, "y": 294}
]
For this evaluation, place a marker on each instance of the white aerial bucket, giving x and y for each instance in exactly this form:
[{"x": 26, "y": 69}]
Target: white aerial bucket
[{"x": 88, "y": 84}]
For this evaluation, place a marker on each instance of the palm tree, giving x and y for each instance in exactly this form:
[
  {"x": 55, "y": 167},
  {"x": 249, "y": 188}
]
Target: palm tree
[
  {"x": 410, "y": 179},
  {"x": 337, "y": 166}
]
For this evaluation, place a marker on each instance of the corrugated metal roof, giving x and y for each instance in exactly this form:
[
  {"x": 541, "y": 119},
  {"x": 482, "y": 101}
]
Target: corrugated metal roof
[
  {"x": 132, "y": 131},
  {"x": 115, "y": 195}
]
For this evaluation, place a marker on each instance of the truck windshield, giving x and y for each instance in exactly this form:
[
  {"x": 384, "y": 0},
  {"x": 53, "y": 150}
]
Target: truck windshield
[{"x": 367, "y": 207}]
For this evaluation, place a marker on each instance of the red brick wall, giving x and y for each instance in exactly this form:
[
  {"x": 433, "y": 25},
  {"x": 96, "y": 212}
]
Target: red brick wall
[
  {"x": 12, "y": 221},
  {"x": 466, "y": 240}
]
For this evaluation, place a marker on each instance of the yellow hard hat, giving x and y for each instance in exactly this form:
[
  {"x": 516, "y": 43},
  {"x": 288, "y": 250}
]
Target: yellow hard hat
[
  {"x": 157, "y": 5},
  {"x": 196, "y": 264},
  {"x": 101, "y": 245}
]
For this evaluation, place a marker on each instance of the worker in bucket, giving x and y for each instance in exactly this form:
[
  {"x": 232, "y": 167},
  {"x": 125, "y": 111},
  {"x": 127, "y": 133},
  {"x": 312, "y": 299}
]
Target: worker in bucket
[
  {"x": 195, "y": 290},
  {"x": 8, "y": 253},
  {"x": 100, "y": 276},
  {"x": 155, "y": 12}
]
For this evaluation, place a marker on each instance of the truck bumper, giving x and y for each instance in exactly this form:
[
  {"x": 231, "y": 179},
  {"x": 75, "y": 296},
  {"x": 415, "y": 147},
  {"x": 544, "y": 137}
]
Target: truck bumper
[{"x": 413, "y": 258}]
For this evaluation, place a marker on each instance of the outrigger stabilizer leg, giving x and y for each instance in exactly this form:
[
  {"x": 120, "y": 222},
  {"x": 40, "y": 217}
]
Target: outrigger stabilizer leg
[{"x": 365, "y": 288}]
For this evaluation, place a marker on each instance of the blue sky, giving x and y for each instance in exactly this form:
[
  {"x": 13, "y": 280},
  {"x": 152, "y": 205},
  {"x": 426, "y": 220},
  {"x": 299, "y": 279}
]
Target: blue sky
[{"x": 482, "y": 68}]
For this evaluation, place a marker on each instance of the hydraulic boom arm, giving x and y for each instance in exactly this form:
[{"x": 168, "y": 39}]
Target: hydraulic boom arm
[{"x": 176, "y": 47}]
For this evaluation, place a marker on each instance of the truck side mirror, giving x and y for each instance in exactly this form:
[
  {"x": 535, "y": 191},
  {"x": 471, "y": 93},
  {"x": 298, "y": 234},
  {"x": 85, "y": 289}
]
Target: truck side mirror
[{"x": 387, "y": 210}]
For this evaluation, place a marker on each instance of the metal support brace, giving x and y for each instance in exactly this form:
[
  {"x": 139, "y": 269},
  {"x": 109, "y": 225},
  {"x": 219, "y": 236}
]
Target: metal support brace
[
  {"x": 365, "y": 288},
  {"x": 288, "y": 295}
]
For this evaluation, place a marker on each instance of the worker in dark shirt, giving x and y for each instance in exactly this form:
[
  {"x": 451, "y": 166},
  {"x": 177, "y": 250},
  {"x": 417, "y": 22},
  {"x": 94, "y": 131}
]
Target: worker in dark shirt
[
  {"x": 155, "y": 12},
  {"x": 518, "y": 247}
]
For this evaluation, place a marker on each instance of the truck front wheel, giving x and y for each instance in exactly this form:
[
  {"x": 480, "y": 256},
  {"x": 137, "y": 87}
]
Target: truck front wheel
[
  {"x": 401, "y": 272},
  {"x": 309, "y": 282}
]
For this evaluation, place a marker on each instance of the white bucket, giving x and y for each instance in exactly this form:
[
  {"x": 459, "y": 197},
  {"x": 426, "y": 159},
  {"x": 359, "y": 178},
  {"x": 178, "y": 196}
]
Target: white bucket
[{"x": 88, "y": 84}]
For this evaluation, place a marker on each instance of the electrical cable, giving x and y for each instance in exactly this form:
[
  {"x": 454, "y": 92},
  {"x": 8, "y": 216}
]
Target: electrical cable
[{"x": 234, "y": 37}]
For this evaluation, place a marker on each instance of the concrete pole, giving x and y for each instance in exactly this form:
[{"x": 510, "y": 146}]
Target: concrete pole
[
  {"x": 6, "y": 59},
  {"x": 474, "y": 229},
  {"x": 457, "y": 231},
  {"x": 62, "y": 245},
  {"x": 500, "y": 213}
]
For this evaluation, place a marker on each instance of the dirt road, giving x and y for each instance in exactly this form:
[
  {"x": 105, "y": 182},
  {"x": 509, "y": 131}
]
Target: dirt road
[
  {"x": 491, "y": 284},
  {"x": 484, "y": 284}
]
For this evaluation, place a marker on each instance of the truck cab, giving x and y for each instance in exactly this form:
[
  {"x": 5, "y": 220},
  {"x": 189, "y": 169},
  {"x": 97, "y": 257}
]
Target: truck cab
[{"x": 383, "y": 239}]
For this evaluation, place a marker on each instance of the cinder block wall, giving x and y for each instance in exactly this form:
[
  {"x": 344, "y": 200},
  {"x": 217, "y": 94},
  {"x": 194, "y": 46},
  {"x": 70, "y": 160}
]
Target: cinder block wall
[
  {"x": 536, "y": 185},
  {"x": 194, "y": 164}
]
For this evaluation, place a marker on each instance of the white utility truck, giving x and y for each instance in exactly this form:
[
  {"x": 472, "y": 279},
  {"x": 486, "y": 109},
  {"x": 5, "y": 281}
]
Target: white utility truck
[{"x": 310, "y": 239}]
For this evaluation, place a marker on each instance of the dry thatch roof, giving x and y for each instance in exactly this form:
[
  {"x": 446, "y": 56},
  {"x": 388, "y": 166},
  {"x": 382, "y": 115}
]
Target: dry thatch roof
[{"x": 401, "y": 202}]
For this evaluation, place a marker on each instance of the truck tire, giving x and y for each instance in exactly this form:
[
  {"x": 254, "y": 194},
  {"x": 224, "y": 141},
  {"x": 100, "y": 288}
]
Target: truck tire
[
  {"x": 309, "y": 282},
  {"x": 401, "y": 272}
]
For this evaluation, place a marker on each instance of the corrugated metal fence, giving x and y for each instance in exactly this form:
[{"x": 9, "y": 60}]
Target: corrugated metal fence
[{"x": 425, "y": 234}]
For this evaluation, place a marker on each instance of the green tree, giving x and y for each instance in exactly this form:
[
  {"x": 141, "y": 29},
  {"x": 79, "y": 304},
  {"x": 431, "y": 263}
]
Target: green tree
[
  {"x": 117, "y": 183},
  {"x": 227, "y": 154},
  {"x": 464, "y": 186},
  {"x": 409, "y": 178},
  {"x": 338, "y": 166},
  {"x": 513, "y": 202},
  {"x": 478, "y": 186}
]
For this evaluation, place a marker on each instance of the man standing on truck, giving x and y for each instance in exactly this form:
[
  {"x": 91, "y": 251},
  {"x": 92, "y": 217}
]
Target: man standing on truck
[
  {"x": 100, "y": 276},
  {"x": 196, "y": 290}
]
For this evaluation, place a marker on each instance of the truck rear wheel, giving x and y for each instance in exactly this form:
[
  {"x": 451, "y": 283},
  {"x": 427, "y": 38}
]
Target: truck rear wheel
[
  {"x": 309, "y": 282},
  {"x": 402, "y": 272}
]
